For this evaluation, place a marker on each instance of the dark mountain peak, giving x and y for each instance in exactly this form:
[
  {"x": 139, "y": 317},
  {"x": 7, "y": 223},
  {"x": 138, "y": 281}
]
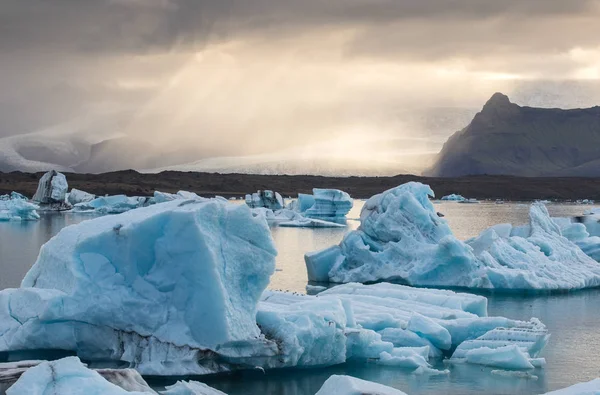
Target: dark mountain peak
[{"x": 498, "y": 106}]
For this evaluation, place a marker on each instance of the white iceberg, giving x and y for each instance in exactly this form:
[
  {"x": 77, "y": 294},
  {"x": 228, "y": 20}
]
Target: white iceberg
[
  {"x": 78, "y": 196},
  {"x": 348, "y": 385},
  {"x": 51, "y": 192},
  {"x": 584, "y": 231},
  {"x": 162, "y": 197},
  {"x": 327, "y": 204},
  {"x": 401, "y": 238},
  {"x": 15, "y": 207},
  {"x": 115, "y": 204},
  {"x": 267, "y": 199},
  {"x": 588, "y": 388},
  {"x": 454, "y": 198}
]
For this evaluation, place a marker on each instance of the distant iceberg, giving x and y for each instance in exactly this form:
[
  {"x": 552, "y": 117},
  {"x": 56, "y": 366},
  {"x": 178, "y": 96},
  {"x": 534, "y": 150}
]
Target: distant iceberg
[
  {"x": 454, "y": 198},
  {"x": 16, "y": 207},
  {"x": 115, "y": 204},
  {"x": 51, "y": 193},
  {"x": 292, "y": 219},
  {"x": 326, "y": 204},
  {"x": 78, "y": 196},
  {"x": 402, "y": 239},
  {"x": 178, "y": 288},
  {"x": 267, "y": 199}
]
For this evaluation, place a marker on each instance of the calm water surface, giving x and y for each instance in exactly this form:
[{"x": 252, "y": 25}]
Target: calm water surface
[{"x": 573, "y": 354}]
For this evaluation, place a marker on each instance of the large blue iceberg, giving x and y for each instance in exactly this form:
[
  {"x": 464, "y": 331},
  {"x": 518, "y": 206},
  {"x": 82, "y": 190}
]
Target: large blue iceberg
[{"x": 402, "y": 239}]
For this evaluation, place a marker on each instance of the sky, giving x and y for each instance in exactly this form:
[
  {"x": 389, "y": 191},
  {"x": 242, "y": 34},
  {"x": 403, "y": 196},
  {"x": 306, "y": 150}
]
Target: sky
[{"x": 198, "y": 79}]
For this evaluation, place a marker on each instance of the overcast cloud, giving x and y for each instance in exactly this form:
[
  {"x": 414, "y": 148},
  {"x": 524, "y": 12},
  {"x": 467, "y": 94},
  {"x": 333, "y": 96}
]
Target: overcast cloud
[{"x": 240, "y": 77}]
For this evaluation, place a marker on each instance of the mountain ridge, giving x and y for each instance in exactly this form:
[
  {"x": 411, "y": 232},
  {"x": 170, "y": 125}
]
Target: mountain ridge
[{"x": 505, "y": 138}]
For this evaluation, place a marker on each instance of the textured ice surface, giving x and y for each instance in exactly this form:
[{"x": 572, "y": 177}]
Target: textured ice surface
[
  {"x": 52, "y": 191},
  {"x": 165, "y": 288},
  {"x": 454, "y": 197},
  {"x": 15, "y": 207},
  {"x": 389, "y": 324},
  {"x": 348, "y": 385},
  {"x": 324, "y": 204},
  {"x": 402, "y": 239},
  {"x": 112, "y": 204},
  {"x": 162, "y": 197},
  {"x": 588, "y": 388},
  {"x": 292, "y": 219},
  {"x": 66, "y": 376},
  {"x": 584, "y": 231},
  {"x": 267, "y": 199},
  {"x": 78, "y": 196}
]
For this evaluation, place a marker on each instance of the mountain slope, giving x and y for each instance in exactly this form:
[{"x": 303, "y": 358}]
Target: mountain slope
[{"x": 505, "y": 138}]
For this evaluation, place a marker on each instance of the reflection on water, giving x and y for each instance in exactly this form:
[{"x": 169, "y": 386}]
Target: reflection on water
[{"x": 573, "y": 319}]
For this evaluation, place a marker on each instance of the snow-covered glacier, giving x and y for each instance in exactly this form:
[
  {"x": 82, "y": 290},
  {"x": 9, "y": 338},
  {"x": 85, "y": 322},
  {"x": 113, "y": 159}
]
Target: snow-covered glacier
[
  {"x": 15, "y": 207},
  {"x": 402, "y": 239},
  {"x": 326, "y": 204},
  {"x": 178, "y": 288}
]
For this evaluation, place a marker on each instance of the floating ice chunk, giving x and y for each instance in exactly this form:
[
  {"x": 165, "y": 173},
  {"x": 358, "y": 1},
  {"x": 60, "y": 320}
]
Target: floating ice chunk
[
  {"x": 51, "y": 192},
  {"x": 515, "y": 373},
  {"x": 508, "y": 357},
  {"x": 112, "y": 204},
  {"x": 77, "y": 196},
  {"x": 347, "y": 385},
  {"x": 310, "y": 223},
  {"x": 162, "y": 197},
  {"x": 267, "y": 199},
  {"x": 292, "y": 219},
  {"x": 406, "y": 357},
  {"x": 314, "y": 289},
  {"x": 66, "y": 376},
  {"x": 15, "y": 207},
  {"x": 588, "y": 388},
  {"x": 165, "y": 288},
  {"x": 191, "y": 388},
  {"x": 324, "y": 204},
  {"x": 453, "y": 197},
  {"x": 402, "y": 239}
]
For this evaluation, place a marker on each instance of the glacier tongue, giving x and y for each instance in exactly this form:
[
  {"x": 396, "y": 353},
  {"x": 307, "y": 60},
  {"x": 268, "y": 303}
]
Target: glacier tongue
[{"x": 402, "y": 239}]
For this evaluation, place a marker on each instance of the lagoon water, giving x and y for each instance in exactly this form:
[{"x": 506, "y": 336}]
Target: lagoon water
[{"x": 573, "y": 319}]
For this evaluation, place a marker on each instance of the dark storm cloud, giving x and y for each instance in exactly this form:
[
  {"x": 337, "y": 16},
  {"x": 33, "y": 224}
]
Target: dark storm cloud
[{"x": 158, "y": 25}]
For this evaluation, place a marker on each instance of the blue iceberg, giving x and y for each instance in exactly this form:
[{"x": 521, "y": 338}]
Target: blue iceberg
[
  {"x": 454, "y": 198},
  {"x": 326, "y": 204},
  {"x": 402, "y": 239},
  {"x": 15, "y": 207},
  {"x": 267, "y": 199}
]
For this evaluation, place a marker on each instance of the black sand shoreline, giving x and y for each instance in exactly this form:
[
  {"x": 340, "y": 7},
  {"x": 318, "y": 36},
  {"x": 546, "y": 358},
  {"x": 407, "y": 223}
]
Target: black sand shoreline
[{"x": 131, "y": 183}]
